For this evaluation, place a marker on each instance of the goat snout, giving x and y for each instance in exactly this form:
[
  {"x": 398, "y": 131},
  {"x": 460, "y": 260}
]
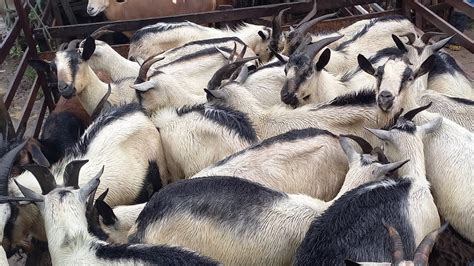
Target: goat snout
[
  {"x": 66, "y": 90},
  {"x": 385, "y": 100}
]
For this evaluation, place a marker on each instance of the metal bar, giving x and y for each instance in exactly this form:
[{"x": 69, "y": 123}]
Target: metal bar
[
  {"x": 30, "y": 103},
  {"x": 69, "y": 14},
  {"x": 361, "y": 10},
  {"x": 11, "y": 128},
  {"x": 9, "y": 41},
  {"x": 56, "y": 13},
  {"x": 23, "y": 19},
  {"x": 82, "y": 30},
  {"x": 39, "y": 121},
  {"x": 377, "y": 7},
  {"x": 461, "y": 5},
  {"x": 20, "y": 71},
  {"x": 441, "y": 24}
]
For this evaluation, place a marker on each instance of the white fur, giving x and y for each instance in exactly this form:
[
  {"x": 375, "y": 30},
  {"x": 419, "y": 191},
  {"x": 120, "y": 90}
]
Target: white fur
[
  {"x": 174, "y": 37},
  {"x": 126, "y": 217}
]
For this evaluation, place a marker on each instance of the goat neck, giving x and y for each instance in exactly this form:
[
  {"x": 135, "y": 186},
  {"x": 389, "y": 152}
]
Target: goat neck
[{"x": 92, "y": 91}]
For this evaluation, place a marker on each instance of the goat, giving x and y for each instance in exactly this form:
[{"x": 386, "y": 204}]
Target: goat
[
  {"x": 134, "y": 167},
  {"x": 63, "y": 210},
  {"x": 76, "y": 77},
  {"x": 446, "y": 151},
  {"x": 355, "y": 217},
  {"x": 347, "y": 114},
  {"x": 446, "y": 76},
  {"x": 458, "y": 110},
  {"x": 161, "y": 37},
  {"x": 139, "y": 9},
  {"x": 422, "y": 252},
  {"x": 163, "y": 89},
  {"x": 267, "y": 214}
]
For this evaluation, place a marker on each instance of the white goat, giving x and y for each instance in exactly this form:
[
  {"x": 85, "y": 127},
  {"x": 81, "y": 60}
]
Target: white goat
[
  {"x": 447, "y": 151},
  {"x": 161, "y": 37},
  {"x": 275, "y": 222},
  {"x": 446, "y": 76},
  {"x": 63, "y": 211},
  {"x": 76, "y": 77},
  {"x": 123, "y": 139}
]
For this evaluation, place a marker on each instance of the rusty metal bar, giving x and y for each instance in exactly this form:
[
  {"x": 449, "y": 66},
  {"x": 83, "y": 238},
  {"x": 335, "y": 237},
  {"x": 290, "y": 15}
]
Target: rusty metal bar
[
  {"x": 9, "y": 41},
  {"x": 20, "y": 71},
  {"x": 30, "y": 103},
  {"x": 83, "y": 30},
  {"x": 11, "y": 128},
  {"x": 25, "y": 25},
  {"x": 39, "y": 121},
  {"x": 441, "y": 24},
  {"x": 461, "y": 5}
]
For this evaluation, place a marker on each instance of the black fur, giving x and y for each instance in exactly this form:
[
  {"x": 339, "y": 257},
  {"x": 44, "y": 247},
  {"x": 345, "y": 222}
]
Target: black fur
[
  {"x": 74, "y": 60},
  {"x": 139, "y": 34},
  {"x": 274, "y": 64},
  {"x": 188, "y": 57},
  {"x": 102, "y": 121},
  {"x": 152, "y": 255},
  {"x": 60, "y": 132},
  {"x": 462, "y": 100},
  {"x": 404, "y": 125},
  {"x": 352, "y": 227},
  {"x": 227, "y": 200},
  {"x": 406, "y": 75},
  {"x": 366, "y": 28},
  {"x": 152, "y": 183},
  {"x": 290, "y": 136},
  {"x": 234, "y": 120},
  {"x": 213, "y": 41},
  {"x": 362, "y": 97},
  {"x": 118, "y": 81},
  {"x": 445, "y": 64}
]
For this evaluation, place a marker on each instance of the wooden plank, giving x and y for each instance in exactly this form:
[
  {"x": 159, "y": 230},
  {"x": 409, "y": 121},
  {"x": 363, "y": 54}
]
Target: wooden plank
[
  {"x": 68, "y": 11},
  {"x": 83, "y": 30},
  {"x": 461, "y": 5},
  {"x": 30, "y": 103},
  {"x": 39, "y": 121},
  {"x": 441, "y": 24},
  {"x": 122, "y": 49},
  {"x": 9, "y": 41},
  {"x": 338, "y": 23}
]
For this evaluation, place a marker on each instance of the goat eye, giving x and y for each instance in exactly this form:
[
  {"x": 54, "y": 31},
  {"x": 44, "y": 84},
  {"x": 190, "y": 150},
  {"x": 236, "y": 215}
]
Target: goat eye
[{"x": 306, "y": 97}]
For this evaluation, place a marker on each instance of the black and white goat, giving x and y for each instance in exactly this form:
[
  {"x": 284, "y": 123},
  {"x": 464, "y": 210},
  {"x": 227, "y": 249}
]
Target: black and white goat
[
  {"x": 123, "y": 139},
  {"x": 75, "y": 77},
  {"x": 161, "y": 37},
  {"x": 351, "y": 227},
  {"x": 237, "y": 221},
  {"x": 446, "y": 76},
  {"x": 63, "y": 210},
  {"x": 447, "y": 152}
]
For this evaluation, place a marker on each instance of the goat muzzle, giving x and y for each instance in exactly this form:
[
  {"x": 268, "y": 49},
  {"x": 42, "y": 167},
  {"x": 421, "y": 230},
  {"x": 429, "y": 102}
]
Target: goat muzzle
[
  {"x": 66, "y": 90},
  {"x": 385, "y": 100}
]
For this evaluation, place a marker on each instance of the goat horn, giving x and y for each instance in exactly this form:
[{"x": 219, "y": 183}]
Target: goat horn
[
  {"x": 307, "y": 40},
  {"x": 398, "y": 253},
  {"x": 30, "y": 194},
  {"x": 242, "y": 53},
  {"x": 100, "y": 106},
  {"x": 425, "y": 38},
  {"x": 73, "y": 44},
  {"x": 277, "y": 24},
  {"x": 62, "y": 46},
  {"x": 364, "y": 145},
  {"x": 226, "y": 71},
  {"x": 411, "y": 37},
  {"x": 6, "y": 164},
  {"x": 71, "y": 173},
  {"x": 146, "y": 66},
  {"x": 278, "y": 56},
  {"x": 304, "y": 28},
  {"x": 410, "y": 114},
  {"x": 423, "y": 250},
  {"x": 5, "y": 199},
  {"x": 310, "y": 15},
  {"x": 44, "y": 177},
  {"x": 312, "y": 49},
  {"x": 101, "y": 31}
]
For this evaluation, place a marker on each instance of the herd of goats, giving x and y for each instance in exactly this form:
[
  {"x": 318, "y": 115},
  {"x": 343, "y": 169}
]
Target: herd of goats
[{"x": 247, "y": 146}]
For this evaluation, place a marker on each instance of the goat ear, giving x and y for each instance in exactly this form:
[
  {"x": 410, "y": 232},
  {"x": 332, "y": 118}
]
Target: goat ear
[
  {"x": 37, "y": 155},
  {"x": 262, "y": 35},
  {"x": 425, "y": 67},
  {"x": 144, "y": 86},
  {"x": 431, "y": 126},
  {"x": 440, "y": 44},
  {"x": 323, "y": 59},
  {"x": 348, "y": 149},
  {"x": 107, "y": 213},
  {"x": 389, "y": 168},
  {"x": 365, "y": 65},
  {"x": 40, "y": 65},
  {"x": 351, "y": 263},
  {"x": 381, "y": 134},
  {"x": 401, "y": 46},
  {"x": 89, "y": 48}
]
